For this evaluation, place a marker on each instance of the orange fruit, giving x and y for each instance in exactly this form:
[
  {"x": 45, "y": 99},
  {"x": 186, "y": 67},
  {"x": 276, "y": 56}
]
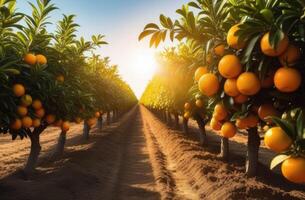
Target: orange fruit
[
  {"x": 220, "y": 112},
  {"x": 37, "y": 104},
  {"x": 91, "y": 121},
  {"x": 16, "y": 125},
  {"x": 240, "y": 99},
  {"x": 60, "y": 78},
  {"x": 187, "y": 106},
  {"x": 65, "y": 126},
  {"x": 27, "y": 122},
  {"x": 215, "y": 124},
  {"x": 233, "y": 40},
  {"x": 248, "y": 84},
  {"x": 97, "y": 114},
  {"x": 40, "y": 113},
  {"x": 30, "y": 59},
  {"x": 41, "y": 59},
  {"x": 287, "y": 79},
  {"x": 251, "y": 121},
  {"x": 268, "y": 50},
  {"x": 293, "y": 169},
  {"x": 22, "y": 111},
  {"x": 277, "y": 140},
  {"x": 187, "y": 115},
  {"x": 18, "y": 90},
  {"x": 199, "y": 103},
  {"x": 200, "y": 71},
  {"x": 230, "y": 88},
  {"x": 267, "y": 110},
  {"x": 208, "y": 84},
  {"x": 50, "y": 119},
  {"x": 267, "y": 82},
  {"x": 241, "y": 123},
  {"x": 36, "y": 123},
  {"x": 26, "y": 100},
  {"x": 228, "y": 130},
  {"x": 290, "y": 56},
  {"x": 229, "y": 66},
  {"x": 219, "y": 50}
]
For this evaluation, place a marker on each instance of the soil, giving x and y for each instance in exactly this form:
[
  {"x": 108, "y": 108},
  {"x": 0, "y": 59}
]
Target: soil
[{"x": 138, "y": 157}]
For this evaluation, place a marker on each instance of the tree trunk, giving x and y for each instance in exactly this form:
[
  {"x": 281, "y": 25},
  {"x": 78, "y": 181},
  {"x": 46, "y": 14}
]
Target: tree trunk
[
  {"x": 60, "y": 144},
  {"x": 202, "y": 132},
  {"x": 35, "y": 149},
  {"x": 100, "y": 123},
  {"x": 169, "y": 118},
  {"x": 224, "y": 148},
  {"x": 185, "y": 125},
  {"x": 177, "y": 120},
  {"x": 252, "y": 152},
  {"x": 108, "y": 118},
  {"x": 86, "y": 131}
]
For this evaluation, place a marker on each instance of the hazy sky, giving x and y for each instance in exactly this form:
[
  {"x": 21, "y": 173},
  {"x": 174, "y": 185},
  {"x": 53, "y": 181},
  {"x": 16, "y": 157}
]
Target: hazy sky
[{"x": 121, "y": 21}]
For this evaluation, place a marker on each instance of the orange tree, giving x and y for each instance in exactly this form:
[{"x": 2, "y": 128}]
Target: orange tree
[
  {"x": 252, "y": 51},
  {"x": 45, "y": 78}
]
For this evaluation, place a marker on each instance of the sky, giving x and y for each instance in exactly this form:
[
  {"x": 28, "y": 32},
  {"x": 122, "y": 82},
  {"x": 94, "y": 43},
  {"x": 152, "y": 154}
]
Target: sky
[{"x": 121, "y": 21}]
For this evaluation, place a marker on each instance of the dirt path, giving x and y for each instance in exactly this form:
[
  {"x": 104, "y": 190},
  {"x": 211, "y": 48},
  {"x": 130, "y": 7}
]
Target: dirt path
[{"x": 138, "y": 158}]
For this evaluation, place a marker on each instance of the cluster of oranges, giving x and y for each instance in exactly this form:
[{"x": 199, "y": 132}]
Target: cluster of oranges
[{"x": 32, "y": 59}]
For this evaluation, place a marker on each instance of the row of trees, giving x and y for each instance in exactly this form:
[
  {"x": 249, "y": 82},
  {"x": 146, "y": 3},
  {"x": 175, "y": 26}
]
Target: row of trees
[
  {"x": 53, "y": 79},
  {"x": 245, "y": 58}
]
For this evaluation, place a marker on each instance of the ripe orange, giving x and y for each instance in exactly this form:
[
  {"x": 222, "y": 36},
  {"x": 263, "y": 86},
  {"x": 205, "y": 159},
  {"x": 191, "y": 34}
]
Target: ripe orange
[
  {"x": 60, "y": 78},
  {"x": 293, "y": 169},
  {"x": 187, "y": 106},
  {"x": 290, "y": 56},
  {"x": 37, "y": 104},
  {"x": 41, "y": 59},
  {"x": 267, "y": 110},
  {"x": 30, "y": 59},
  {"x": 267, "y": 82},
  {"x": 199, "y": 103},
  {"x": 91, "y": 121},
  {"x": 65, "y": 126},
  {"x": 287, "y": 79},
  {"x": 220, "y": 112},
  {"x": 277, "y": 140},
  {"x": 229, "y": 66},
  {"x": 16, "y": 124},
  {"x": 240, "y": 99},
  {"x": 219, "y": 50},
  {"x": 27, "y": 122},
  {"x": 200, "y": 71},
  {"x": 50, "y": 119},
  {"x": 22, "y": 111},
  {"x": 241, "y": 123},
  {"x": 18, "y": 90},
  {"x": 230, "y": 88},
  {"x": 251, "y": 121},
  {"x": 228, "y": 130},
  {"x": 187, "y": 115},
  {"x": 248, "y": 84},
  {"x": 268, "y": 50},
  {"x": 209, "y": 84},
  {"x": 26, "y": 100},
  {"x": 36, "y": 123},
  {"x": 215, "y": 124},
  {"x": 40, "y": 113},
  {"x": 97, "y": 114},
  {"x": 233, "y": 40}
]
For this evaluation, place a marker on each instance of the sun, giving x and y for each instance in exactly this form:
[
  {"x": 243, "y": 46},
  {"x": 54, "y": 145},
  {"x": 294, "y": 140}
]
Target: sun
[{"x": 145, "y": 62}]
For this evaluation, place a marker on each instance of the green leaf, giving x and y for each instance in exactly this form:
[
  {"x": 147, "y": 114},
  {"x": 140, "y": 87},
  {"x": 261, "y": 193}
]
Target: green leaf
[
  {"x": 278, "y": 160},
  {"x": 151, "y": 26},
  {"x": 249, "y": 49},
  {"x": 300, "y": 124},
  {"x": 145, "y": 33}
]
